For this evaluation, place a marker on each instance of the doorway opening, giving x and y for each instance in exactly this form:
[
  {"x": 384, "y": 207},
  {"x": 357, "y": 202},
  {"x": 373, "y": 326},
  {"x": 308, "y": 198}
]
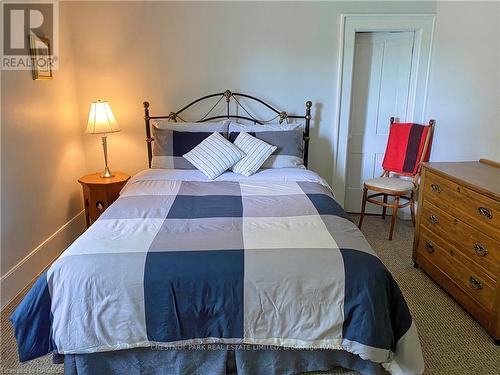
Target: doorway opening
[
  {"x": 407, "y": 44},
  {"x": 380, "y": 90}
]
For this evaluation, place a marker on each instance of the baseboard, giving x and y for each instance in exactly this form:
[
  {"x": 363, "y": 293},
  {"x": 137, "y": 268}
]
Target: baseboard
[{"x": 28, "y": 269}]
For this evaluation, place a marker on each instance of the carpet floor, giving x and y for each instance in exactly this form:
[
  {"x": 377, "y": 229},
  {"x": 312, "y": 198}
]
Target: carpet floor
[{"x": 453, "y": 343}]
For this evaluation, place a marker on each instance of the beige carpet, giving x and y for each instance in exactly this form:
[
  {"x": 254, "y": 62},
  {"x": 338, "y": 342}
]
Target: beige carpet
[{"x": 453, "y": 343}]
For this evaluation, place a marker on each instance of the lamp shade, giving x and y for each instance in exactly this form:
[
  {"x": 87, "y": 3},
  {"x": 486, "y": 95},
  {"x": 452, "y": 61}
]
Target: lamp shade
[{"x": 101, "y": 119}]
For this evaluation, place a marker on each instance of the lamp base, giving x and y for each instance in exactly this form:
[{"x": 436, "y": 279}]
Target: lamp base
[{"x": 107, "y": 173}]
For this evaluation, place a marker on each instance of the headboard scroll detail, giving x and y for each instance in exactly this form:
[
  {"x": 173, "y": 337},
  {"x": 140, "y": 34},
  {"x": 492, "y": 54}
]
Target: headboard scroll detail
[{"x": 228, "y": 95}]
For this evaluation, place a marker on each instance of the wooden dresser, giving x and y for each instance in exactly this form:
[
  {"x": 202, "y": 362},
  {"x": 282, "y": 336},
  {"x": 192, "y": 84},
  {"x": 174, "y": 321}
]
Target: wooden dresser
[{"x": 457, "y": 237}]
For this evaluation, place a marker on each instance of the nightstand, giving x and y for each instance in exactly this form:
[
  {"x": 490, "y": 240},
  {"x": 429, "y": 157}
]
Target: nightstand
[{"x": 99, "y": 193}]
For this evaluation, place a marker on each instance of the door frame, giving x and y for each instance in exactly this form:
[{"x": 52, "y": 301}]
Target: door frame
[{"x": 423, "y": 26}]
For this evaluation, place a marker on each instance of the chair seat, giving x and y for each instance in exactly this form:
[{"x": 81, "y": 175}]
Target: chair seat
[{"x": 392, "y": 184}]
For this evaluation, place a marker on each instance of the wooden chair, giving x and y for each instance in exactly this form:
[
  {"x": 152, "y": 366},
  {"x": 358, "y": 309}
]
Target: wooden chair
[{"x": 408, "y": 145}]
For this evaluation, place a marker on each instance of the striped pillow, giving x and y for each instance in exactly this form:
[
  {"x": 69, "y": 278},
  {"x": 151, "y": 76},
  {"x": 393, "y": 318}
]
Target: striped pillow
[
  {"x": 257, "y": 153},
  {"x": 214, "y": 155}
]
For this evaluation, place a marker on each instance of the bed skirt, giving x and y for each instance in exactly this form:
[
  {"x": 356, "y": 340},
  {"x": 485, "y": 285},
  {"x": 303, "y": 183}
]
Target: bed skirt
[{"x": 210, "y": 360}]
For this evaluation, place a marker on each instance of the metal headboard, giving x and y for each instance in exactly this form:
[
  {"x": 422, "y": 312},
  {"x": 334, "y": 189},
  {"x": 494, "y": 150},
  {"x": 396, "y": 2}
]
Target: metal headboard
[{"x": 228, "y": 95}]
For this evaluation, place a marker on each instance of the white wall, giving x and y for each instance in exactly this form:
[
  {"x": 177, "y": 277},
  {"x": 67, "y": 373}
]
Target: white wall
[
  {"x": 464, "y": 92},
  {"x": 42, "y": 157}
]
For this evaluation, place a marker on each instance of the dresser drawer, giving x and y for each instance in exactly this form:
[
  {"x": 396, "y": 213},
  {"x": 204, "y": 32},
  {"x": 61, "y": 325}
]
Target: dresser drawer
[
  {"x": 477, "y": 246},
  {"x": 465, "y": 274},
  {"x": 464, "y": 203},
  {"x": 467, "y": 302}
]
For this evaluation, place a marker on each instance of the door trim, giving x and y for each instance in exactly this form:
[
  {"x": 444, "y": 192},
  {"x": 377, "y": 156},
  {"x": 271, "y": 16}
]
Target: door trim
[{"x": 423, "y": 26}]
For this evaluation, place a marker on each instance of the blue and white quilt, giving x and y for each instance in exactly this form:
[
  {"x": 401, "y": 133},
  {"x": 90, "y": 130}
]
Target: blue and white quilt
[{"x": 270, "y": 259}]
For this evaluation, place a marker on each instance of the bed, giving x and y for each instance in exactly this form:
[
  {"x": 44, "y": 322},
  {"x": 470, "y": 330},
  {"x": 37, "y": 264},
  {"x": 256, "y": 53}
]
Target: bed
[{"x": 263, "y": 274}]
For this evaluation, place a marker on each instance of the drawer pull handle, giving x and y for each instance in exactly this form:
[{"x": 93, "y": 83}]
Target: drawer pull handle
[
  {"x": 433, "y": 219},
  {"x": 436, "y": 188},
  {"x": 485, "y": 212},
  {"x": 429, "y": 246},
  {"x": 480, "y": 249},
  {"x": 475, "y": 283}
]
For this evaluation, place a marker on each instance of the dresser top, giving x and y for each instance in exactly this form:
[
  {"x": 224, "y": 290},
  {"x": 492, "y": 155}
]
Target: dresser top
[{"x": 474, "y": 174}]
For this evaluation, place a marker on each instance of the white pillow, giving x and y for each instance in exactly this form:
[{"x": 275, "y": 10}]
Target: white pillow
[
  {"x": 214, "y": 155},
  {"x": 257, "y": 153}
]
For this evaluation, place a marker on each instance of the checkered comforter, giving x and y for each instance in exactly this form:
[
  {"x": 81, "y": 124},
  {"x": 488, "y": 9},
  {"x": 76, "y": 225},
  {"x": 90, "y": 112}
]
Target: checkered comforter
[{"x": 252, "y": 260}]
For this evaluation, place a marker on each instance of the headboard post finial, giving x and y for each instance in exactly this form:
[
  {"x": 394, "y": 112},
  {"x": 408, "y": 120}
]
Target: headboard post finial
[
  {"x": 227, "y": 94},
  {"x": 283, "y": 116},
  {"x": 172, "y": 116}
]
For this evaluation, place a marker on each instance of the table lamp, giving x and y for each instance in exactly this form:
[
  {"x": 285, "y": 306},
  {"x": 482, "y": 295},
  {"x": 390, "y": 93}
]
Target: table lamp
[{"x": 102, "y": 121}]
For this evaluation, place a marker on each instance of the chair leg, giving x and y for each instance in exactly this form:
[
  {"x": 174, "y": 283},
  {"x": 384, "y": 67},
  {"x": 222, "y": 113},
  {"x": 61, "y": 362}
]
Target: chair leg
[
  {"x": 395, "y": 207},
  {"x": 412, "y": 209},
  {"x": 363, "y": 205},
  {"x": 384, "y": 208}
]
